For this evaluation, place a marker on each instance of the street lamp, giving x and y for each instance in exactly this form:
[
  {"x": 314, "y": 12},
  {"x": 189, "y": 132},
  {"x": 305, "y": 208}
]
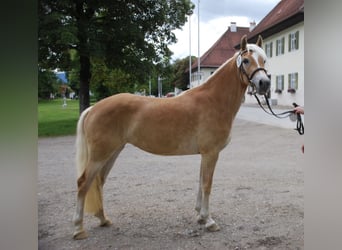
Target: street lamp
[{"x": 160, "y": 87}]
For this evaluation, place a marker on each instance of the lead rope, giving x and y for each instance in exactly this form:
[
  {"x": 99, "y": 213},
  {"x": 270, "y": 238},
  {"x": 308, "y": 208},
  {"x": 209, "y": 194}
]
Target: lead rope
[{"x": 299, "y": 126}]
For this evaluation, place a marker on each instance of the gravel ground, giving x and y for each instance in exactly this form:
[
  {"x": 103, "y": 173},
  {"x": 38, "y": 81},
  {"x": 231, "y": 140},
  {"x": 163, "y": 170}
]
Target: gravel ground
[{"x": 257, "y": 196}]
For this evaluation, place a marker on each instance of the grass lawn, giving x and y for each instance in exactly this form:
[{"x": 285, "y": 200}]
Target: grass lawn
[{"x": 56, "y": 120}]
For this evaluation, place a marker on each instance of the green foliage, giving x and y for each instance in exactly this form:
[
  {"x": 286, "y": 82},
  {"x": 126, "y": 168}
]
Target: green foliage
[
  {"x": 56, "y": 33},
  {"x": 74, "y": 72},
  {"x": 106, "y": 82},
  {"x": 47, "y": 83},
  {"x": 129, "y": 36},
  {"x": 180, "y": 70},
  {"x": 73, "y": 79}
]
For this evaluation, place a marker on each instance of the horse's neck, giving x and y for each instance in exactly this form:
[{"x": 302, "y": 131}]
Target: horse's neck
[{"x": 226, "y": 88}]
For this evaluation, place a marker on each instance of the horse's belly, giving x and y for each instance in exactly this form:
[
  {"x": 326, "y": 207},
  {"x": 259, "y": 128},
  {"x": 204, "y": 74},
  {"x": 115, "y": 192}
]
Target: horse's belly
[{"x": 167, "y": 145}]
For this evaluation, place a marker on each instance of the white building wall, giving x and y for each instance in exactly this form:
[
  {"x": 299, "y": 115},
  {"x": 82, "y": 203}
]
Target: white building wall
[
  {"x": 205, "y": 74},
  {"x": 289, "y": 62}
]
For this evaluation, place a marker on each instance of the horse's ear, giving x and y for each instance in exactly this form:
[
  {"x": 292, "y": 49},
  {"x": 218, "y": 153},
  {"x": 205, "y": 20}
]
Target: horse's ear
[
  {"x": 259, "y": 41},
  {"x": 243, "y": 43}
]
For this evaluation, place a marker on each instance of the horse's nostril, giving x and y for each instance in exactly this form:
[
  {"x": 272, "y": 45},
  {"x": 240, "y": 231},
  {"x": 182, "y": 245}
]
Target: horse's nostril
[
  {"x": 268, "y": 83},
  {"x": 264, "y": 83}
]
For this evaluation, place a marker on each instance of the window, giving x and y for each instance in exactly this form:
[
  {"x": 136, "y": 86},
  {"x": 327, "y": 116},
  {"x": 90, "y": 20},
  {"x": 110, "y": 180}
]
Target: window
[
  {"x": 293, "y": 41},
  {"x": 268, "y": 49},
  {"x": 196, "y": 76},
  {"x": 279, "y": 84},
  {"x": 280, "y": 46},
  {"x": 293, "y": 82}
]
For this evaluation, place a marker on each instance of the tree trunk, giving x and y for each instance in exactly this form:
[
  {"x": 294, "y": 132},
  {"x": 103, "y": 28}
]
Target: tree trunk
[
  {"x": 83, "y": 16},
  {"x": 84, "y": 82}
]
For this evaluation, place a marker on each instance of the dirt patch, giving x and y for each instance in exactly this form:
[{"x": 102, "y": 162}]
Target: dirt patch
[{"x": 257, "y": 196}]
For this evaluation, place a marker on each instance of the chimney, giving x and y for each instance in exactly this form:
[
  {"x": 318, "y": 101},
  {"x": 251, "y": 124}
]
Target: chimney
[
  {"x": 252, "y": 25},
  {"x": 232, "y": 26}
]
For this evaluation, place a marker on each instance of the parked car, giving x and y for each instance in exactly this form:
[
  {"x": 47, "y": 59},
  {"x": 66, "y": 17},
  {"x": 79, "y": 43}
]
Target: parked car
[{"x": 170, "y": 94}]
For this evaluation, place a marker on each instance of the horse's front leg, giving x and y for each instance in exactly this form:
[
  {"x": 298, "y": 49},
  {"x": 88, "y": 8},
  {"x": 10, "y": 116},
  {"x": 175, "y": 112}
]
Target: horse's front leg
[
  {"x": 208, "y": 164},
  {"x": 199, "y": 196}
]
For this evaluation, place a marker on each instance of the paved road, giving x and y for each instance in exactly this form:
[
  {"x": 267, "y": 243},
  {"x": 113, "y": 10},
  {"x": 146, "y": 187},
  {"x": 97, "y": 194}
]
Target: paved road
[
  {"x": 256, "y": 114},
  {"x": 257, "y": 196}
]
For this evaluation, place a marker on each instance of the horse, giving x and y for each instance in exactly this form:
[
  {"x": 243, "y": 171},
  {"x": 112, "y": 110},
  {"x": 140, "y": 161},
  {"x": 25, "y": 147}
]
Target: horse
[{"x": 197, "y": 122}]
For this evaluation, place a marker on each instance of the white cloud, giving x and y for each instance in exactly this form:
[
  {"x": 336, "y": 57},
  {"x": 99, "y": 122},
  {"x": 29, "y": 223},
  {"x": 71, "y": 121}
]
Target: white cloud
[
  {"x": 209, "y": 33},
  {"x": 215, "y": 17}
]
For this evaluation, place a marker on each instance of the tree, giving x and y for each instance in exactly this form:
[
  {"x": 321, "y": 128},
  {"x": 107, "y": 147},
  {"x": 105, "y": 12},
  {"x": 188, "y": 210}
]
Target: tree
[
  {"x": 180, "y": 70},
  {"x": 47, "y": 84},
  {"x": 129, "y": 35},
  {"x": 106, "y": 81}
]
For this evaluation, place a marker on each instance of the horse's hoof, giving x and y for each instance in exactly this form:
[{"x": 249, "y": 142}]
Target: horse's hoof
[
  {"x": 106, "y": 223},
  {"x": 201, "y": 220},
  {"x": 211, "y": 226},
  {"x": 80, "y": 235}
]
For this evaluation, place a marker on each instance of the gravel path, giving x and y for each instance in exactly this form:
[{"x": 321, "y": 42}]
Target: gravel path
[{"x": 257, "y": 196}]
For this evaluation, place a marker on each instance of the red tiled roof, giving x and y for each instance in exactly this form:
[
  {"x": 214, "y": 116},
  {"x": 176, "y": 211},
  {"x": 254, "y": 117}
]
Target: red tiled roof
[
  {"x": 283, "y": 15},
  {"x": 283, "y": 11},
  {"x": 222, "y": 50}
]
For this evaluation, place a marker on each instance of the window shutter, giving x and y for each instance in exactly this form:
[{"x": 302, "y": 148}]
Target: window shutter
[
  {"x": 283, "y": 45},
  {"x": 289, "y": 81},
  {"x": 282, "y": 82},
  {"x": 297, "y": 39},
  {"x": 271, "y": 44},
  {"x": 289, "y": 42},
  {"x": 296, "y": 77},
  {"x": 277, "y": 50}
]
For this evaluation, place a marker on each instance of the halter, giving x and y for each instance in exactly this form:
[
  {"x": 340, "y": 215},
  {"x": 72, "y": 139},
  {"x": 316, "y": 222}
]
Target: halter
[
  {"x": 243, "y": 72},
  {"x": 299, "y": 127}
]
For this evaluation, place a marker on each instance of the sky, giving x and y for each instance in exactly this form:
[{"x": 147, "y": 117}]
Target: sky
[{"x": 215, "y": 17}]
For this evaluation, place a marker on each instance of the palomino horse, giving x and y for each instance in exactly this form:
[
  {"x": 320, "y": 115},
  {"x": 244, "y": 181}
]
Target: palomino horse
[{"x": 196, "y": 122}]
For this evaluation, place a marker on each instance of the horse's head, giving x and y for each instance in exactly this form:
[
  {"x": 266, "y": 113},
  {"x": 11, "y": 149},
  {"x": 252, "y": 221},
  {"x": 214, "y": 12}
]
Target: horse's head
[{"x": 251, "y": 61}]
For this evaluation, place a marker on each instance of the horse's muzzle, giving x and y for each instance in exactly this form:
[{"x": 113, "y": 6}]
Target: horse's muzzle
[{"x": 263, "y": 86}]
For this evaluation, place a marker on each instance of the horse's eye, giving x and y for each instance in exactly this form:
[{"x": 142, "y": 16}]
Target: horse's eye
[{"x": 245, "y": 61}]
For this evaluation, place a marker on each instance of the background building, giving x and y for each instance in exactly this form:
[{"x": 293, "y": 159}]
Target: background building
[
  {"x": 220, "y": 52},
  {"x": 282, "y": 30}
]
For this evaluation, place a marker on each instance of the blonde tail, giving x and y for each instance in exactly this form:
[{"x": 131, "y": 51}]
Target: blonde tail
[
  {"x": 93, "y": 200},
  {"x": 81, "y": 145}
]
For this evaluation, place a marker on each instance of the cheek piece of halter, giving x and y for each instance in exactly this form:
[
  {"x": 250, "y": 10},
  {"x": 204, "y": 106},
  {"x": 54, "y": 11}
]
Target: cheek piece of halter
[{"x": 299, "y": 127}]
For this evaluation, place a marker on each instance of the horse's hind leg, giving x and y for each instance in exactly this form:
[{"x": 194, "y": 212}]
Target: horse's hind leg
[
  {"x": 84, "y": 182},
  {"x": 208, "y": 164},
  {"x": 104, "y": 221}
]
